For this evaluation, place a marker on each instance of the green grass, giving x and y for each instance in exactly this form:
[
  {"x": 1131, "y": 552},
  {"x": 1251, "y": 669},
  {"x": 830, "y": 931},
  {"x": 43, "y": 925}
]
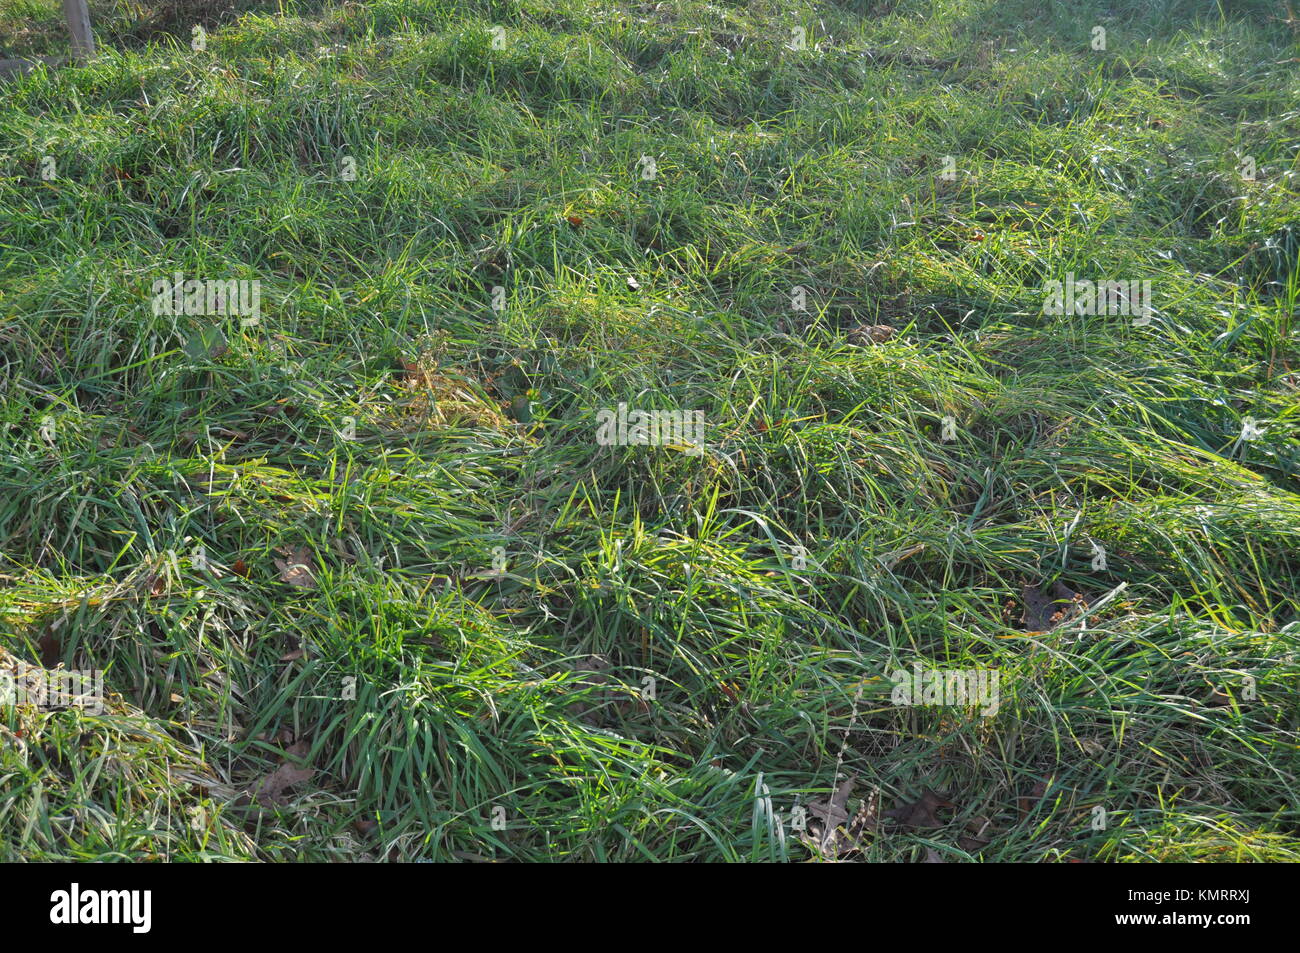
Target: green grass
[{"x": 655, "y": 674}]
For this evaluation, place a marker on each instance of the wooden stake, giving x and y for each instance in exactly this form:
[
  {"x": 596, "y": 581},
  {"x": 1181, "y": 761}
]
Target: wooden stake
[{"x": 83, "y": 40}]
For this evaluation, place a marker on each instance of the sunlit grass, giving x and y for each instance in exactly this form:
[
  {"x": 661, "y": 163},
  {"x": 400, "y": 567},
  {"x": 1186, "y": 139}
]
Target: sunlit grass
[{"x": 518, "y": 644}]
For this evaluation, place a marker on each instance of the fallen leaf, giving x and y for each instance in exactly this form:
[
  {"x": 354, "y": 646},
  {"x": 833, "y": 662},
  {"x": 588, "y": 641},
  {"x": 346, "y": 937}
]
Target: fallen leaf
[
  {"x": 932, "y": 856},
  {"x": 413, "y": 374},
  {"x": 871, "y": 334},
  {"x": 973, "y": 839},
  {"x": 921, "y": 813},
  {"x": 828, "y": 839},
  {"x": 50, "y": 646},
  {"x": 834, "y": 811},
  {"x": 286, "y": 776},
  {"x": 575, "y": 221},
  {"x": 1036, "y": 794},
  {"x": 1045, "y": 610},
  {"x": 282, "y": 736},
  {"x": 280, "y": 780},
  {"x": 296, "y": 569}
]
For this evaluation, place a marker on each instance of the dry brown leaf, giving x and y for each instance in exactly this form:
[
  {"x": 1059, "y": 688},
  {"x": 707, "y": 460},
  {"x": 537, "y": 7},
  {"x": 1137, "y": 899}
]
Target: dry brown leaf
[
  {"x": 834, "y": 811},
  {"x": 51, "y": 647},
  {"x": 871, "y": 334},
  {"x": 1219, "y": 698},
  {"x": 280, "y": 780},
  {"x": 286, "y": 776},
  {"x": 1036, "y": 794},
  {"x": 829, "y": 839},
  {"x": 921, "y": 813},
  {"x": 414, "y": 374},
  {"x": 974, "y": 838},
  {"x": 1046, "y": 609},
  {"x": 296, "y": 568}
]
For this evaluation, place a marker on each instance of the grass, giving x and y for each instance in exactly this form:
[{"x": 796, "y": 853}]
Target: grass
[{"x": 513, "y": 643}]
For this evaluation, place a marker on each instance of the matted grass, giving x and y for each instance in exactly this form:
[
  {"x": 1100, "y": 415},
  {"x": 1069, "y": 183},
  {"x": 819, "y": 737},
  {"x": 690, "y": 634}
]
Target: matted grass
[{"x": 512, "y": 642}]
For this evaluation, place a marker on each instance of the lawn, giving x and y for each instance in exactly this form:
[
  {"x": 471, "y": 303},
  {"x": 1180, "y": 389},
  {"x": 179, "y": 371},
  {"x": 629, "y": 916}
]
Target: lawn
[{"x": 677, "y": 431}]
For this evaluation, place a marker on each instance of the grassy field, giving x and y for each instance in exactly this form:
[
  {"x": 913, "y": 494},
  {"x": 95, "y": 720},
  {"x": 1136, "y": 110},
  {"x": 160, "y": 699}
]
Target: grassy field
[{"x": 365, "y": 575}]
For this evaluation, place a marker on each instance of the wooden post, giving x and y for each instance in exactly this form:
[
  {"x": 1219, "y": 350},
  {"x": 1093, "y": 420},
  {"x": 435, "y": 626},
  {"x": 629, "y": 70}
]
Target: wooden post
[{"x": 83, "y": 40}]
